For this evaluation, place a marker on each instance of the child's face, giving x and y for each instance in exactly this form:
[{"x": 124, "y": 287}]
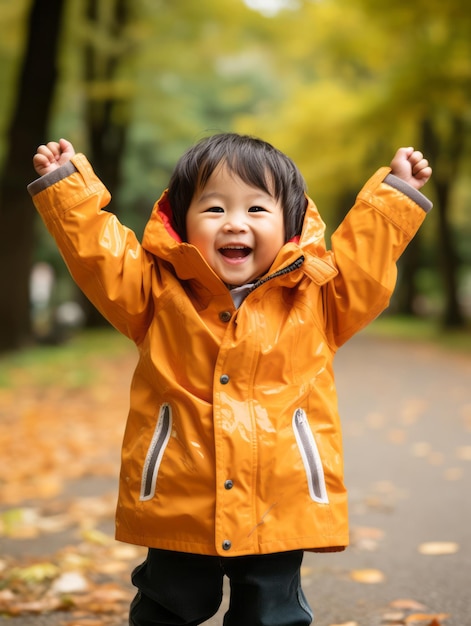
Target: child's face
[{"x": 238, "y": 229}]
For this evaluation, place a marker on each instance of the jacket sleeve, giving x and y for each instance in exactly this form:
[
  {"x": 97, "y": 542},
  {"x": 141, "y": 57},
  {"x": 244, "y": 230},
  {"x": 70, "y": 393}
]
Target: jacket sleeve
[
  {"x": 104, "y": 257},
  {"x": 366, "y": 246}
]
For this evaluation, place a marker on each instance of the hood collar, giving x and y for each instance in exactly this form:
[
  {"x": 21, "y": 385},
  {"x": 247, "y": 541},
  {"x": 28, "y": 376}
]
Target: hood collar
[{"x": 161, "y": 240}]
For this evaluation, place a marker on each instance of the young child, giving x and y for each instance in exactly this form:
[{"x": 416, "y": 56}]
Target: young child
[{"x": 232, "y": 456}]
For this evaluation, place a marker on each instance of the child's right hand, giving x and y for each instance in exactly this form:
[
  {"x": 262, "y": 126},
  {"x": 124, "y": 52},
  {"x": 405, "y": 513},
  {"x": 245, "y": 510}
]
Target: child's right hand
[{"x": 52, "y": 155}]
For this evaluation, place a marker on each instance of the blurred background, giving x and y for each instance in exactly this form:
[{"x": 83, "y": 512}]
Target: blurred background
[{"x": 338, "y": 85}]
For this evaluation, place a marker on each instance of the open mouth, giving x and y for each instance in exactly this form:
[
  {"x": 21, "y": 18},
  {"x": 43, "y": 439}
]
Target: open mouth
[{"x": 235, "y": 252}]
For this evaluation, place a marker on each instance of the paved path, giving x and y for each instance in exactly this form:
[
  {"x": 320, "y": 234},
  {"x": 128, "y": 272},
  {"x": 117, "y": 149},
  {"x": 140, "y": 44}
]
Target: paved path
[{"x": 407, "y": 434}]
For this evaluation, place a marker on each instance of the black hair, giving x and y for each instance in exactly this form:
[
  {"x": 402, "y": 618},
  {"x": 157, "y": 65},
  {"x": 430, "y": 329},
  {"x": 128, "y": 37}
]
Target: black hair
[{"x": 256, "y": 162}]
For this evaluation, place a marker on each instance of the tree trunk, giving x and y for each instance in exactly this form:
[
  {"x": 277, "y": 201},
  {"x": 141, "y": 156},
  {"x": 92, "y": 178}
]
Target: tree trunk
[
  {"x": 106, "y": 115},
  {"x": 445, "y": 156},
  {"x": 28, "y": 129},
  {"x": 405, "y": 294}
]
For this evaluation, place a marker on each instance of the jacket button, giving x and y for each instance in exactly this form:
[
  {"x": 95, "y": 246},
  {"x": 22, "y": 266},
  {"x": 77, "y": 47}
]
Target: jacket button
[
  {"x": 225, "y": 316},
  {"x": 226, "y": 544},
  {"x": 228, "y": 484},
  {"x": 224, "y": 379}
]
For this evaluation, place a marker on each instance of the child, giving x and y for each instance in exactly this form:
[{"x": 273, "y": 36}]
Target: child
[{"x": 232, "y": 456}]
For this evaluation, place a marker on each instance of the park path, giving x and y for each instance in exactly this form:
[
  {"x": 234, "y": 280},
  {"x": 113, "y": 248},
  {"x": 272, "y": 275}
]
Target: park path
[{"x": 406, "y": 410}]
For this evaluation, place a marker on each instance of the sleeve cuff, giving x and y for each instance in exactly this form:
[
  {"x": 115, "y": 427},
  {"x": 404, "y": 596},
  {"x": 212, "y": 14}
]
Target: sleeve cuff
[
  {"x": 53, "y": 177},
  {"x": 410, "y": 191}
]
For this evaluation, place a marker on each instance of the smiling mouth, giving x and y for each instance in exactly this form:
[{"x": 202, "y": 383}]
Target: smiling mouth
[{"x": 235, "y": 252}]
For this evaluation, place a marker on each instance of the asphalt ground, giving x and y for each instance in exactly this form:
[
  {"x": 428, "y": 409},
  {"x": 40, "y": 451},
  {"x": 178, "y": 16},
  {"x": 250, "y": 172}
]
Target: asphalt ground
[{"x": 406, "y": 411}]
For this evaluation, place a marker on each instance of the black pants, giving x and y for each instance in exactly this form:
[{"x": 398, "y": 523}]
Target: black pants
[{"x": 186, "y": 589}]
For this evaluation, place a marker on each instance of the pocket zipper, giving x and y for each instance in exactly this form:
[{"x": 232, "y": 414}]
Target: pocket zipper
[
  {"x": 155, "y": 452},
  {"x": 310, "y": 456}
]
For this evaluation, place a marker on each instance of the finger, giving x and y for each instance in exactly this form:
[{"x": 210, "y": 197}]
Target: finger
[
  {"x": 65, "y": 145},
  {"x": 415, "y": 157},
  {"x": 55, "y": 149},
  {"x": 405, "y": 152},
  {"x": 40, "y": 160},
  {"x": 48, "y": 151},
  {"x": 420, "y": 165},
  {"x": 425, "y": 173},
  {"x": 67, "y": 149}
]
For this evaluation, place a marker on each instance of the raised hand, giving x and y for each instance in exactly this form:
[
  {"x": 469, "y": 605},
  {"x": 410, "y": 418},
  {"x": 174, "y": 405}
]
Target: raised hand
[
  {"x": 52, "y": 155},
  {"x": 411, "y": 166}
]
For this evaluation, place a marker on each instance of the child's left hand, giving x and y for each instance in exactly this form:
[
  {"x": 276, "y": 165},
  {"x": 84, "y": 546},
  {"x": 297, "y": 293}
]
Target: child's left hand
[{"x": 410, "y": 165}]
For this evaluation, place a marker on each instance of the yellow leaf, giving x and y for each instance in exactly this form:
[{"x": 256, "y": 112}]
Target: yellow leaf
[
  {"x": 92, "y": 535},
  {"x": 438, "y": 548},
  {"x": 367, "y": 576},
  {"x": 35, "y": 573}
]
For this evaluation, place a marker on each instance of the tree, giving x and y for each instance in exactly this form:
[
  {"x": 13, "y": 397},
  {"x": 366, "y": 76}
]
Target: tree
[
  {"x": 28, "y": 126},
  {"x": 428, "y": 78},
  {"x": 363, "y": 81}
]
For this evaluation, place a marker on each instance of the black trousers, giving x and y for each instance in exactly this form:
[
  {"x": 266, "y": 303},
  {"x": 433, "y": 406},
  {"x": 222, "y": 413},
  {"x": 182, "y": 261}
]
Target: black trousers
[{"x": 179, "y": 589}]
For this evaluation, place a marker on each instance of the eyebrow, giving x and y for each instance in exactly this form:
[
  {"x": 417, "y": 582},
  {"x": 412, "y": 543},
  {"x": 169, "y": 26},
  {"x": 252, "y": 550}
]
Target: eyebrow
[{"x": 257, "y": 195}]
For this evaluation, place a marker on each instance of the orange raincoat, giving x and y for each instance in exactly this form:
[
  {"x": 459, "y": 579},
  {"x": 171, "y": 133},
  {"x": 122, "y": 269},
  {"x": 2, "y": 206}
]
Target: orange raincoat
[{"x": 233, "y": 440}]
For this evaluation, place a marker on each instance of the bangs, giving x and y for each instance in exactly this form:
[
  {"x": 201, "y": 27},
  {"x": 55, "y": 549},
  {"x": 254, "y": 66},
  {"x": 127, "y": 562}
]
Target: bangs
[{"x": 250, "y": 168}]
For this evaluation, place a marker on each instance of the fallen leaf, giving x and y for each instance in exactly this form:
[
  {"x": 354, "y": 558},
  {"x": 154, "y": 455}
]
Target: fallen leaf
[
  {"x": 421, "y": 449},
  {"x": 438, "y": 548},
  {"x": 413, "y": 410},
  {"x": 407, "y": 605},
  {"x": 397, "y": 436},
  {"x": 464, "y": 453},
  {"x": 367, "y": 576},
  {"x": 427, "y": 617},
  {"x": 454, "y": 473},
  {"x": 436, "y": 458},
  {"x": 35, "y": 573},
  {"x": 85, "y": 622},
  {"x": 393, "y": 618},
  {"x": 366, "y": 538},
  {"x": 375, "y": 420},
  {"x": 103, "y": 599},
  {"x": 92, "y": 535}
]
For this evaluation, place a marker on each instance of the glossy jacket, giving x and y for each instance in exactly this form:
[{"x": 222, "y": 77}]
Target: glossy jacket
[{"x": 233, "y": 441}]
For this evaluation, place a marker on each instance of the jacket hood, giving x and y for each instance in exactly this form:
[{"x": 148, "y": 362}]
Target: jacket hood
[{"x": 162, "y": 241}]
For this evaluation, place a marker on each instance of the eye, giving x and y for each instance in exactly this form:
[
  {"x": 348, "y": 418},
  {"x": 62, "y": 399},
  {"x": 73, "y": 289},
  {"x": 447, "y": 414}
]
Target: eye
[
  {"x": 256, "y": 209},
  {"x": 215, "y": 209}
]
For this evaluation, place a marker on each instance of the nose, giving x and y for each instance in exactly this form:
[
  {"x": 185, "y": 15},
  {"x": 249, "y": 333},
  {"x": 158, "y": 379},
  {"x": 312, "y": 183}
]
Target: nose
[{"x": 235, "y": 222}]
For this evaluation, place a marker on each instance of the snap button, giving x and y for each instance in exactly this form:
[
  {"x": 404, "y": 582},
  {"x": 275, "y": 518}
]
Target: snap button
[
  {"x": 226, "y": 544},
  {"x": 228, "y": 484},
  {"x": 224, "y": 379},
  {"x": 225, "y": 316}
]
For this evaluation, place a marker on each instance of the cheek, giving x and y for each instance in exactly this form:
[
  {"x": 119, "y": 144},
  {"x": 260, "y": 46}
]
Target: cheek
[
  {"x": 192, "y": 231},
  {"x": 199, "y": 237}
]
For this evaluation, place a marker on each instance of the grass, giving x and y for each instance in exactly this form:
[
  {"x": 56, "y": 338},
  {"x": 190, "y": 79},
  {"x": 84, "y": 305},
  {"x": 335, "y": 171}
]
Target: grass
[
  {"x": 72, "y": 364},
  {"x": 424, "y": 330}
]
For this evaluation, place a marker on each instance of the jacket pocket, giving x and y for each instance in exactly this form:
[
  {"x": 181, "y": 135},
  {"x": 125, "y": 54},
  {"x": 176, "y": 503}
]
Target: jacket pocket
[
  {"x": 155, "y": 452},
  {"x": 310, "y": 456}
]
